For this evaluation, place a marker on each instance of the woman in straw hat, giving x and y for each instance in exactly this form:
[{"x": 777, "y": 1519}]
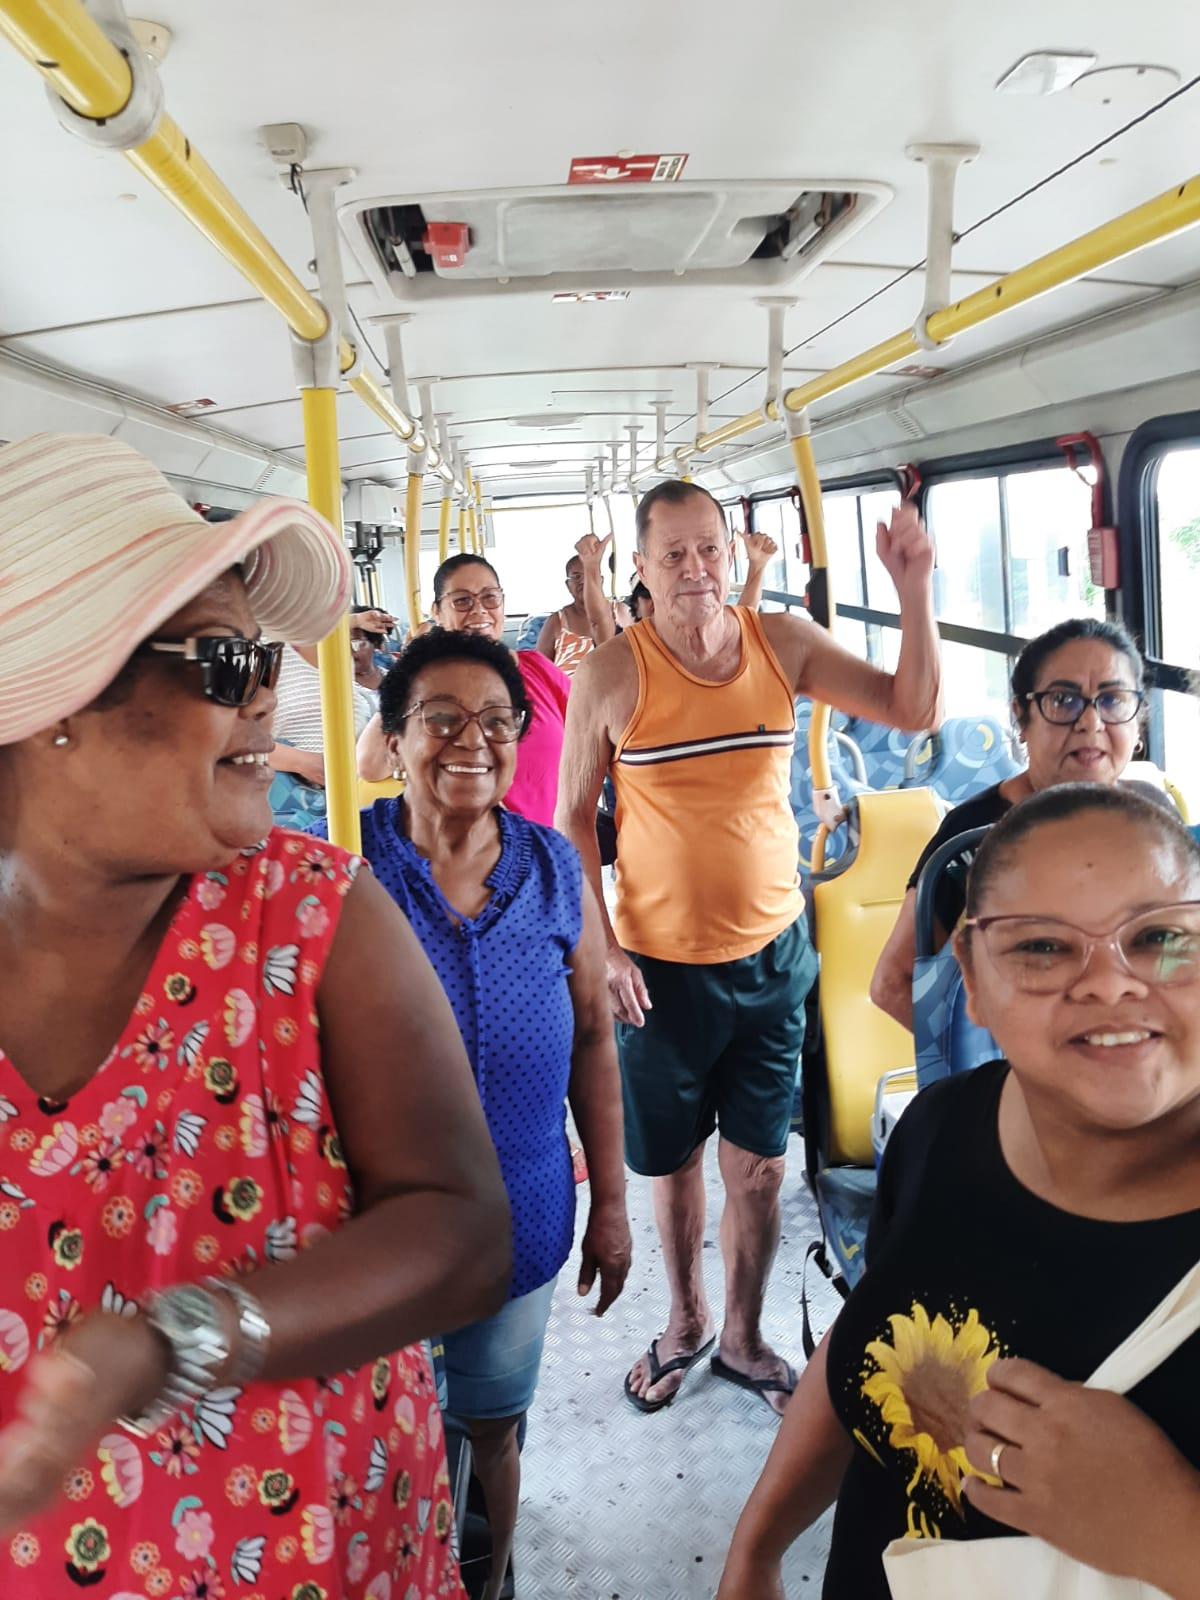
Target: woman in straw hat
[{"x": 200, "y": 1084}]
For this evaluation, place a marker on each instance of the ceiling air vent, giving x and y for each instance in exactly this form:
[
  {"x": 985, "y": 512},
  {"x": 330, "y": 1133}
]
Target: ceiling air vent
[{"x": 758, "y": 236}]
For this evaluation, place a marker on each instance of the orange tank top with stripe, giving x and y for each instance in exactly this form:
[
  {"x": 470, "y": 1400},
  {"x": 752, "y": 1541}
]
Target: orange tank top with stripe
[{"x": 707, "y": 846}]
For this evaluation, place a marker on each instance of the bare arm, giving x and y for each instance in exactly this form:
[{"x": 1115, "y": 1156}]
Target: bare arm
[
  {"x": 595, "y": 1099},
  {"x": 424, "y": 1171},
  {"x": 602, "y": 698},
  {"x": 547, "y": 639},
  {"x": 910, "y": 697},
  {"x": 590, "y": 551},
  {"x": 307, "y": 764},
  {"x": 800, "y": 1480},
  {"x": 371, "y": 752},
  {"x": 761, "y": 550},
  {"x": 891, "y": 982}
]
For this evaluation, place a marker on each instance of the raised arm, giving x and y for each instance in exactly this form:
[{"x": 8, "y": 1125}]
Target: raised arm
[
  {"x": 761, "y": 550},
  {"x": 910, "y": 697},
  {"x": 371, "y": 752},
  {"x": 800, "y": 1480},
  {"x": 590, "y": 551}
]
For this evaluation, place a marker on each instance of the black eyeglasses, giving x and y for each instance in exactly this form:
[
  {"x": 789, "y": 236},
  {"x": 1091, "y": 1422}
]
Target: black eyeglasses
[
  {"x": 1065, "y": 706},
  {"x": 234, "y": 669},
  {"x": 463, "y": 600},
  {"x": 446, "y": 719}
]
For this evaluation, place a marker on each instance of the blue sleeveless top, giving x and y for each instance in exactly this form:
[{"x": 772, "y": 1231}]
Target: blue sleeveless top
[{"x": 505, "y": 974}]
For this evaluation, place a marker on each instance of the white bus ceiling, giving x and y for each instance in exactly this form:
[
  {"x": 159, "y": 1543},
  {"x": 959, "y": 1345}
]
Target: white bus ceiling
[{"x": 101, "y": 280}]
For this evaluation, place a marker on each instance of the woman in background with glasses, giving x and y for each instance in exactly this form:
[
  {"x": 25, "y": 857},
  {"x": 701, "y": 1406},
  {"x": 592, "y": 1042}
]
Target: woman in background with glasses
[
  {"x": 1077, "y": 696},
  {"x": 1030, "y": 1216},
  {"x": 468, "y": 599},
  {"x": 500, "y": 906}
]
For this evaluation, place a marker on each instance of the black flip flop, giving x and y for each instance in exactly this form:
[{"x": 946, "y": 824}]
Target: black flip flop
[
  {"x": 759, "y": 1386},
  {"x": 658, "y": 1372}
]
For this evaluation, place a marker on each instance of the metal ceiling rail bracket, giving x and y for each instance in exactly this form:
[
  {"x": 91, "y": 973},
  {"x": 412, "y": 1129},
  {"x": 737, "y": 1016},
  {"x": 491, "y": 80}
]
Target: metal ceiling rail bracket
[
  {"x": 315, "y": 361},
  {"x": 941, "y": 162},
  {"x": 139, "y": 117},
  {"x": 319, "y": 187},
  {"x": 777, "y": 308},
  {"x": 662, "y": 462}
]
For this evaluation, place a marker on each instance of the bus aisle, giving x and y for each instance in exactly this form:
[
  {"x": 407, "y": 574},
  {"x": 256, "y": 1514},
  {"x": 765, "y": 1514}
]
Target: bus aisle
[{"x": 616, "y": 1505}]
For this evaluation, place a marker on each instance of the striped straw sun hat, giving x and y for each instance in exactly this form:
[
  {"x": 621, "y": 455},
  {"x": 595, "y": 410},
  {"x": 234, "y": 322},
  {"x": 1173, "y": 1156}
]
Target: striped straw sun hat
[{"x": 97, "y": 547}]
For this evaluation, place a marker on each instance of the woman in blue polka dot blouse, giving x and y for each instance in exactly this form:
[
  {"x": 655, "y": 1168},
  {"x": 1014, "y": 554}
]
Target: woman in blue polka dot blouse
[{"x": 513, "y": 931}]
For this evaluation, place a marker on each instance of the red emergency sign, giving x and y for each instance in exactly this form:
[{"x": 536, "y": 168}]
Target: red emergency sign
[{"x": 626, "y": 169}]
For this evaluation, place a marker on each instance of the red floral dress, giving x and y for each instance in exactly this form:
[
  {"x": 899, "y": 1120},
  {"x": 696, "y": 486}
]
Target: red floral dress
[{"x": 205, "y": 1144}]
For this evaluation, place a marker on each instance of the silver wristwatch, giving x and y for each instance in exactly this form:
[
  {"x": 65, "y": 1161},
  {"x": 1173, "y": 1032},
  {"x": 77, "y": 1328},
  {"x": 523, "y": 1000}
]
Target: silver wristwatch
[{"x": 188, "y": 1319}]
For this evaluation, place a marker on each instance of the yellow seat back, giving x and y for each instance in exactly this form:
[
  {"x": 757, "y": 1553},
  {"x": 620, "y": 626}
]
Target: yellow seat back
[
  {"x": 854, "y": 915},
  {"x": 368, "y": 792},
  {"x": 1147, "y": 772}
]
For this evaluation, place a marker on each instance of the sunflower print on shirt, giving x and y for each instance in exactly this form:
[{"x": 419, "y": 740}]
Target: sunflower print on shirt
[
  {"x": 205, "y": 1145},
  {"x": 921, "y": 1378}
]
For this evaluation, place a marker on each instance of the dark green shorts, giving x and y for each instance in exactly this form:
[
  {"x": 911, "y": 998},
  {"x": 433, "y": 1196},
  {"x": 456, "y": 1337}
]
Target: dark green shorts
[{"x": 720, "y": 1049}]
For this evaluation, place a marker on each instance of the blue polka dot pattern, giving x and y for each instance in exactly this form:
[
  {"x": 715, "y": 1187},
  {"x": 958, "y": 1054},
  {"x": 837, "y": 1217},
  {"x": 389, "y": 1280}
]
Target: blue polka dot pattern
[{"x": 505, "y": 974}]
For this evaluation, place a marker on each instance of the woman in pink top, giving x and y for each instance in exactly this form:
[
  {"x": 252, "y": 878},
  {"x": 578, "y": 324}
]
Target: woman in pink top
[{"x": 467, "y": 598}]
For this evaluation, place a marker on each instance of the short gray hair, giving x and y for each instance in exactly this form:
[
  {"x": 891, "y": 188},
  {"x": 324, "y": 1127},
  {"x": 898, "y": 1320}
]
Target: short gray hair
[{"x": 671, "y": 492}]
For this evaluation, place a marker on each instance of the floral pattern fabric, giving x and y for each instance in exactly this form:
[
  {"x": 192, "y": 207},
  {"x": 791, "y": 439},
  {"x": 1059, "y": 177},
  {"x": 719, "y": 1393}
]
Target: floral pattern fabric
[{"x": 204, "y": 1145}]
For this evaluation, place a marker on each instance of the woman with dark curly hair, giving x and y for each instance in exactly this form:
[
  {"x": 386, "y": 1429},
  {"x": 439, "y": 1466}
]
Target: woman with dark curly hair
[{"x": 514, "y": 933}]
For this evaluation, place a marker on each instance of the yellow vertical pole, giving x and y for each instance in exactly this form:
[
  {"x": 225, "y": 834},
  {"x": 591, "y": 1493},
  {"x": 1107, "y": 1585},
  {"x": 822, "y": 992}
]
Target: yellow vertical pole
[
  {"x": 412, "y": 546},
  {"x": 462, "y": 526},
  {"x": 472, "y": 519},
  {"x": 444, "y": 528},
  {"x": 823, "y": 607},
  {"x": 480, "y": 522},
  {"x": 333, "y": 653}
]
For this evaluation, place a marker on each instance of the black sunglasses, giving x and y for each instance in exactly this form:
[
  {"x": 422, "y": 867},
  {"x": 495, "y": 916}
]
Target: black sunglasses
[{"x": 234, "y": 669}]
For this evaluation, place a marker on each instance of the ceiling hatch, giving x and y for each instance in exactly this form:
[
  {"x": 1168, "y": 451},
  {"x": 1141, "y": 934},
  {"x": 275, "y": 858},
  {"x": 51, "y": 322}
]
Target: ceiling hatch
[{"x": 758, "y": 236}]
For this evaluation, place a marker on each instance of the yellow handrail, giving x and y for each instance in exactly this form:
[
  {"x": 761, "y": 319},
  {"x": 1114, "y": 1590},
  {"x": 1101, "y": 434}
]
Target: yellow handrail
[
  {"x": 1168, "y": 214},
  {"x": 412, "y": 549},
  {"x": 444, "y": 528},
  {"x": 319, "y": 408}
]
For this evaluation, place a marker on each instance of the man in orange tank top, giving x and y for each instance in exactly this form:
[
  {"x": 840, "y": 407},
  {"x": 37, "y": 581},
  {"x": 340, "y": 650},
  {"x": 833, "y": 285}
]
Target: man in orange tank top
[{"x": 692, "y": 712}]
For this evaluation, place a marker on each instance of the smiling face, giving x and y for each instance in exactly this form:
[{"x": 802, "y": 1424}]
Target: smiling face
[
  {"x": 1109, "y": 1050},
  {"x": 1088, "y": 750},
  {"x": 686, "y": 562},
  {"x": 464, "y": 776},
  {"x": 462, "y": 608},
  {"x": 158, "y": 779}
]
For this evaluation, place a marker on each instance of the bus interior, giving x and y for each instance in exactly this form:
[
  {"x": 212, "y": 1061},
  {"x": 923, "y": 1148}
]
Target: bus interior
[{"x": 817, "y": 260}]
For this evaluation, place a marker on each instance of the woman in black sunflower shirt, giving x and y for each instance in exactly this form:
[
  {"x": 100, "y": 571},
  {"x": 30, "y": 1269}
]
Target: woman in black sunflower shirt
[{"x": 1030, "y": 1216}]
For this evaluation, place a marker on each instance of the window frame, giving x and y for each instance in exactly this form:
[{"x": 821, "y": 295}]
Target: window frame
[{"x": 1138, "y": 536}]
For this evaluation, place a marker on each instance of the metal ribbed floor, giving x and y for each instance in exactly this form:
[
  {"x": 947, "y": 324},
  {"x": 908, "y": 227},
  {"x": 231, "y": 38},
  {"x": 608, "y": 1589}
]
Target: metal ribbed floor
[{"x": 620, "y": 1506}]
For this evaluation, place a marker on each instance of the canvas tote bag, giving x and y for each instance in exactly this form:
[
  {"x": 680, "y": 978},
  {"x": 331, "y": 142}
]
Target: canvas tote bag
[{"x": 1021, "y": 1568}]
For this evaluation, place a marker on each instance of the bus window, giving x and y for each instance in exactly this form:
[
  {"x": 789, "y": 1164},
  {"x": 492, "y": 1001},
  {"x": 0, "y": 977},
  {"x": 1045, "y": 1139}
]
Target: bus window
[
  {"x": 963, "y": 515},
  {"x": 1177, "y": 519},
  {"x": 1177, "y": 515},
  {"x": 735, "y": 517},
  {"x": 777, "y": 518},
  {"x": 845, "y": 556},
  {"x": 1049, "y": 514},
  {"x": 874, "y": 507}
]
